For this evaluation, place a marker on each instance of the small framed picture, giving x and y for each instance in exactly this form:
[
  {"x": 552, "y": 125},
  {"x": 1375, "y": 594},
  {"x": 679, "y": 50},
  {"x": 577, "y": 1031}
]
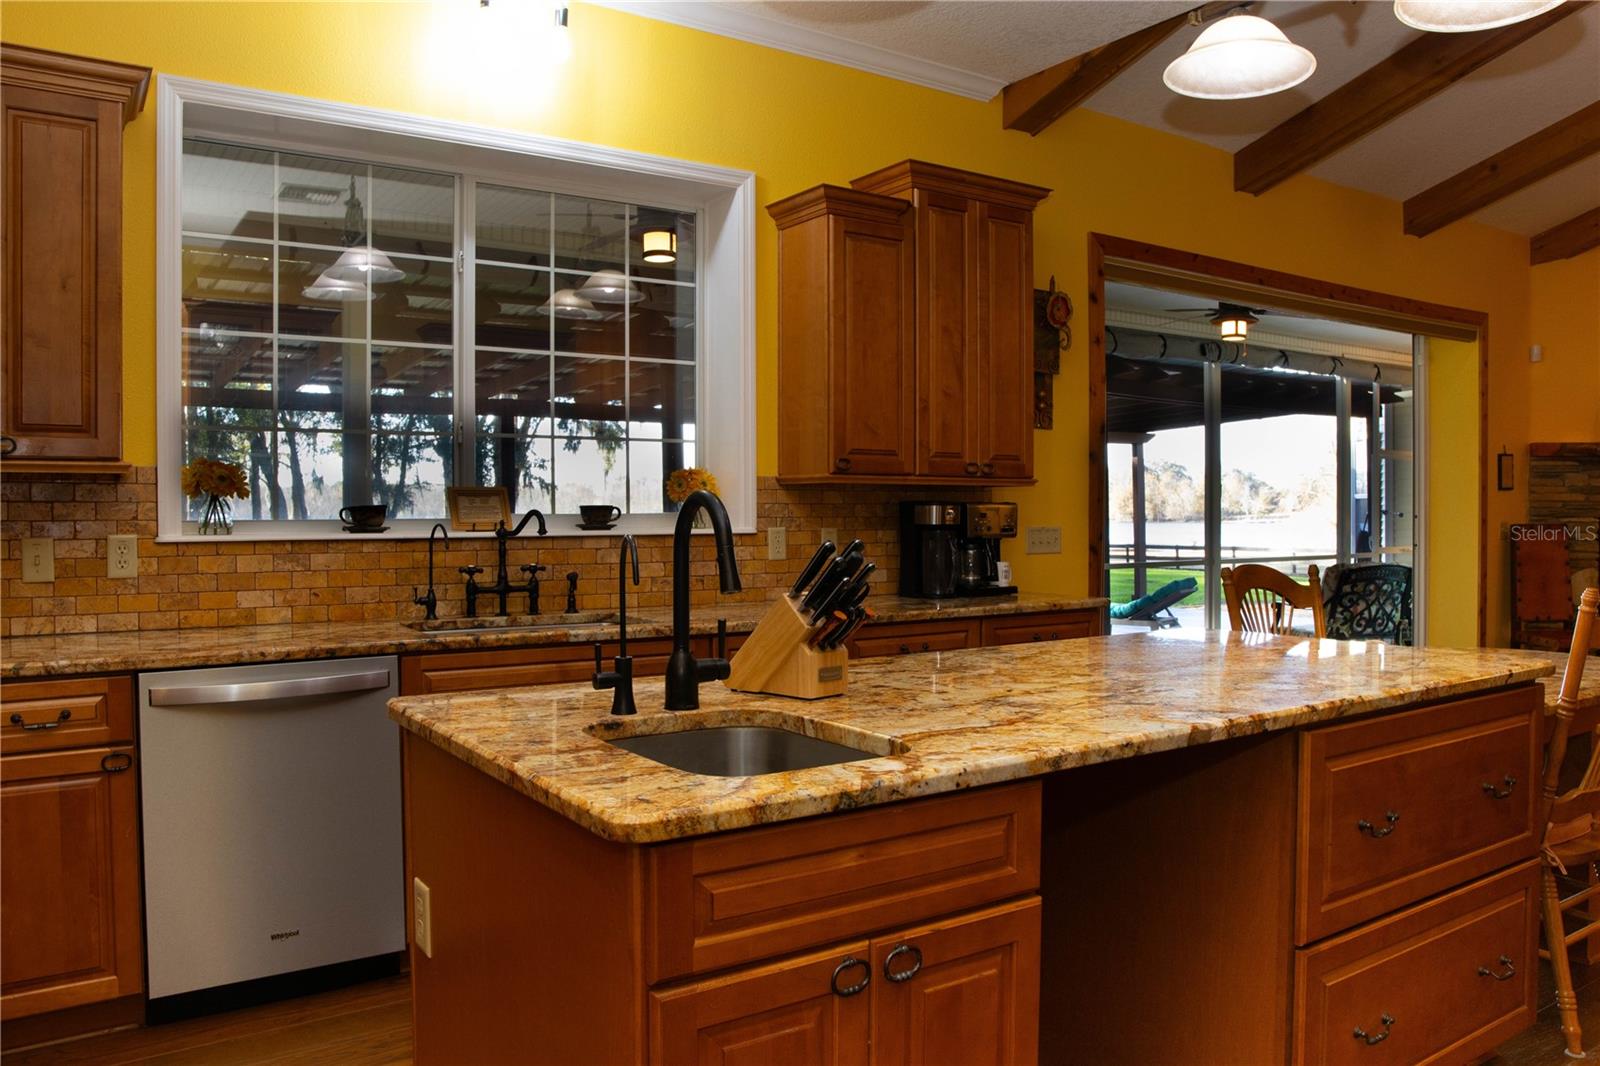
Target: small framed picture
[
  {"x": 1505, "y": 471},
  {"x": 478, "y": 509}
]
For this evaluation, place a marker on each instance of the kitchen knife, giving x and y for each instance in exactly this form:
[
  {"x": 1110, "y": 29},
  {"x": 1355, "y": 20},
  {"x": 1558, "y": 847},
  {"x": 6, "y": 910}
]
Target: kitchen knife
[
  {"x": 841, "y": 634},
  {"x": 813, "y": 568},
  {"x": 819, "y": 635},
  {"x": 838, "y": 587},
  {"x": 843, "y": 565}
]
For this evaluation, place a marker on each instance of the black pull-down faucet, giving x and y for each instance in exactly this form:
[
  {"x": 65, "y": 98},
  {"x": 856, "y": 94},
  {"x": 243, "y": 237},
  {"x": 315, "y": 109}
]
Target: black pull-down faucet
[
  {"x": 684, "y": 672},
  {"x": 620, "y": 678}
]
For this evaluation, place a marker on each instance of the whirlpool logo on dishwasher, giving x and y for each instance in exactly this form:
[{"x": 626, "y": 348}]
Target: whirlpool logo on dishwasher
[{"x": 285, "y": 935}]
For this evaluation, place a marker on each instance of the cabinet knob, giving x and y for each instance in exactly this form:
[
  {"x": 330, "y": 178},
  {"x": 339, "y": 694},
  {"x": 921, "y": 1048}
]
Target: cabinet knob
[
  {"x": 905, "y": 649},
  {"x": 1507, "y": 972},
  {"x": 1055, "y": 636},
  {"x": 924, "y": 645},
  {"x": 850, "y": 961},
  {"x": 1375, "y": 1038},
  {"x": 897, "y": 976},
  {"x": 7, "y": 444},
  {"x": 988, "y": 469},
  {"x": 972, "y": 469},
  {"x": 841, "y": 463}
]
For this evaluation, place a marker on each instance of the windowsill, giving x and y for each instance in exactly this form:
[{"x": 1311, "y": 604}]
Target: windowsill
[{"x": 559, "y": 526}]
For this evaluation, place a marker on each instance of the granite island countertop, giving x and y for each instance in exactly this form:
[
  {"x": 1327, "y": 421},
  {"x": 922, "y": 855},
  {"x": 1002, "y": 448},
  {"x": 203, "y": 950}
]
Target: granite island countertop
[
  {"x": 939, "y": 721},
  {"x": 166, "y": 649}
]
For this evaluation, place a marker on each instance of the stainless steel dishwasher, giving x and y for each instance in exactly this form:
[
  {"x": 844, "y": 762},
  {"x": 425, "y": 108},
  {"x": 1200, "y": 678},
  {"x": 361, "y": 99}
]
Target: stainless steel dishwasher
[{"x": 272, "y": 825}]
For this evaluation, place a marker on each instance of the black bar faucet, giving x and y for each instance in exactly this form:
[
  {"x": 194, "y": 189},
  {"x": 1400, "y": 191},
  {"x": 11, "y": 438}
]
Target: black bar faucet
[
  {"x": 684, "y": 672},
  {"x": 430, "y": 601},
  {"x": 620, "y": 678}
]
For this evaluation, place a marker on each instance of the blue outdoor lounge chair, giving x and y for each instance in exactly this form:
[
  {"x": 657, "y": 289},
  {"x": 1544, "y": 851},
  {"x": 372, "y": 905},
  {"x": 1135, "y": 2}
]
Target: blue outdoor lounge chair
[{"x": 1148, "y": 608}]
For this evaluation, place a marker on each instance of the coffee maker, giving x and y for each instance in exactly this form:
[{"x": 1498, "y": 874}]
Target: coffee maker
[{"x": 950, "y": 550}]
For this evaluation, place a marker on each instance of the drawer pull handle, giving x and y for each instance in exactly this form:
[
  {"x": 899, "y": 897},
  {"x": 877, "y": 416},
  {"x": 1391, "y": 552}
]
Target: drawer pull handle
[
  {"x": 16, "y": 719},
  {"x": 1506, "y": 975},
  {"x": 1499, "y": 793},
  {"x": 859, "y": 986},
  {"x": 1375, "y": 1038},
  {"x": 897, "y": 976},
  {"x": 116, "y": 762},
  {"x": 905, "y": 649},
  {"x": 1373, "y": 831},
  {"x": 924, "y": 645}
]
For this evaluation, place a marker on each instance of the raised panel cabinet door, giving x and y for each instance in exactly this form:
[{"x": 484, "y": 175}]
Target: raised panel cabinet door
[
  {"x": 63, "y": 288},
  {"x": 947, "y": 334},
  {"x": 962, "y": 990},
  {"x": 1004, "y": 394},
  {"x": 872, "y": 372},
  {"x": 69, "y": 875},
  {"x": 809, "y": 1010}
]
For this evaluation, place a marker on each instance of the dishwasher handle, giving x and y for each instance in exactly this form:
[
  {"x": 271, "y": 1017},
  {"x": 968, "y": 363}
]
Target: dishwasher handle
[{"x": 255, "y": 691}]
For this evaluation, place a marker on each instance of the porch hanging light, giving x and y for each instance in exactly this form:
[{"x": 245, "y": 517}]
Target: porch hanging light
[
  {"x": 1464, "y": 16},
  {"x": 1239, "y": 57},
  {"x": 660, "y": 245}
]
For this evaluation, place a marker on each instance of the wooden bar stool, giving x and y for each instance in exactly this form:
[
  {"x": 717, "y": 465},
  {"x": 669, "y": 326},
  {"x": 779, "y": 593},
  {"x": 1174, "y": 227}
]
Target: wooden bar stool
[
  {"x": 1572, "y": 828},
  {"x": 1263, "y": 600}
]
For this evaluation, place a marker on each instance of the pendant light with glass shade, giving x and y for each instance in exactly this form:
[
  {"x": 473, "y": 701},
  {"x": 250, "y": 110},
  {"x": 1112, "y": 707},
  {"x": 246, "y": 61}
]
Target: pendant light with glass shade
[
  {"x": 358, "y": 262},
  {"x": 610, "y": 287},
  {"x": 1239, "y": 57},
  {"x": 570, "y": 304},
  {"x": 1464, "y": 16}
]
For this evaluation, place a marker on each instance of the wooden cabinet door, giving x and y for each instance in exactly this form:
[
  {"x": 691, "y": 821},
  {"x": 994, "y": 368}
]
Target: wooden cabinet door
[
  {"x": 1004, "y": 392},
  {"x": 783, "y": 1014},
  {"x": 947, "y": 335},
  {"x": 965, "y": 989},
  {"x": 69, "y": 874},
  {"x": 872, "y": 372},
  {"x": 63, "y": 264}
]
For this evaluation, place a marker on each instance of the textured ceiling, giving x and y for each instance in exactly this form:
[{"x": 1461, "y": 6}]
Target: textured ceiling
[{"x": 977, "y": 47}]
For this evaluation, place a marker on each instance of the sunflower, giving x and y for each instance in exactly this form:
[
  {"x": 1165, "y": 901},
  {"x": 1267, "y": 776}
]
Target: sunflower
[{"x": 683, "y": 483}]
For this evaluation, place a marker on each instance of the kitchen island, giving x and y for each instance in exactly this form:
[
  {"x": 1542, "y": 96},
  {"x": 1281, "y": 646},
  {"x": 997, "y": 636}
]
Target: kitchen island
[{"x": 1132, "y": 848}]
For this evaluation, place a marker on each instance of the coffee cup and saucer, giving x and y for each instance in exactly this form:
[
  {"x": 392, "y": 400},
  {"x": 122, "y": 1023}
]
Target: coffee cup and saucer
[
  {"x": 598, "y": 516},
  {"x": 364, "y": 518}
]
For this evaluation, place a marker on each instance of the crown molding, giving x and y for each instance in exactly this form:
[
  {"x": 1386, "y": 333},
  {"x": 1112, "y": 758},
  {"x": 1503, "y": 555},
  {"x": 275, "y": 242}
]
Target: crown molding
[{"x": 727, "y": 21}]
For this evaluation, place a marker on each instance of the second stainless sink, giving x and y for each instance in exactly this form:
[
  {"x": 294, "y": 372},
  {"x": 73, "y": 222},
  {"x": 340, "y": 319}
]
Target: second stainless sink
[{"x": 740, "y": 750}]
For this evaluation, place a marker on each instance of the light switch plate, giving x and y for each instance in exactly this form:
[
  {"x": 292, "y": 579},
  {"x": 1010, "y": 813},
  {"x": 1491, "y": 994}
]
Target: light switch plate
[
  {"x": 777, "y": 542},
  {"x": 422, "y": 916},
  {"x": 122, "y": 555},
  {"x": 38, "y": 559},
  {"x": 829, "y": 533},
  {"x": 1044, "y": 540}
]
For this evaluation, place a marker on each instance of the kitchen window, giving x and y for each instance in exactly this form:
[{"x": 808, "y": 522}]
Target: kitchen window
[{"x": 357, "y": 325}]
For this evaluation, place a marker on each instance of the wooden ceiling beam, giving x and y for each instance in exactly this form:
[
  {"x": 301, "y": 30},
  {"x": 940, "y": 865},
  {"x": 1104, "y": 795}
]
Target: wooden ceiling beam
[
  {"x": 1572, "y": 237},
  {"x": 1031, "y": 104},
  {"x": 1553, "y": 148},
  {"x": 1383, "y": 92}
]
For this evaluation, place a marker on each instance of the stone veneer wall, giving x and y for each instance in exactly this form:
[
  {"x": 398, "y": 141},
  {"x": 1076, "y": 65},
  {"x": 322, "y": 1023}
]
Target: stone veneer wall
[
  {"x": 226, "y": 582},
  {"x": 1564, "y": 484}
]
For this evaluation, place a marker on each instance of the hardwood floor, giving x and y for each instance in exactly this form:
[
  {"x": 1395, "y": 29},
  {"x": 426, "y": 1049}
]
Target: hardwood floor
[
  {"x": 370, "y": 1025},
  {"x": 363, "y": 1025}
]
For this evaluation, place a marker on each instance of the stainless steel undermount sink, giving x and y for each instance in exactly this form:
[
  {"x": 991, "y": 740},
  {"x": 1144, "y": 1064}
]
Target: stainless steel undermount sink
[
  {"x": 734, "y": 744},
  {"x": 514, "y": 622}
]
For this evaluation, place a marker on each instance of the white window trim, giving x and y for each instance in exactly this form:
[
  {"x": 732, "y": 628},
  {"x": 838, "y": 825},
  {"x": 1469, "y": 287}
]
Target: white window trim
[{"x": 724, "y": 197}]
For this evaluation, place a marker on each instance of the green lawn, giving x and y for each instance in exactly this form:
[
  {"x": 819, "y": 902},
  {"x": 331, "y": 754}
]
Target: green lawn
[{"x": 1122, "y": 583}]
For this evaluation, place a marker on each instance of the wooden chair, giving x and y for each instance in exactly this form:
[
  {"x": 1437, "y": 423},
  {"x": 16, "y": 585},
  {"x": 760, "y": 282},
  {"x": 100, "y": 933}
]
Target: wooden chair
[
  {"x": 1572, "y": 827},
  {"x": 1263, "y": 600}
]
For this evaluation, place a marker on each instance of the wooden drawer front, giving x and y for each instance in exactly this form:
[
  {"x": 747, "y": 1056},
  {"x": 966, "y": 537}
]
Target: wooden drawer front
[
  {"x": 459, "y": 671},
  {"x": 76, "y": 713},
  {"x": 1025, "y": 628},
  {"x": 721, "y": 900},
  {"x": 912, "y": 638},
  {"x": 1433, "y": 970},
  {"x": 1442, "y": 773}
]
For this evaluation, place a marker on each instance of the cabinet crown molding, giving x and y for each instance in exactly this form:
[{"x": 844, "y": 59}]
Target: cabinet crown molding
[
  {"x": 100, "y": 79},
  {"x": 908, "y": 174},
  {"x": 836, "y": 200}
]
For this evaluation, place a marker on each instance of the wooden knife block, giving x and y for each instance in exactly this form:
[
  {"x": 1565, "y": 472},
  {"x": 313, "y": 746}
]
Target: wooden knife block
[{"x": 776, "y": 659}]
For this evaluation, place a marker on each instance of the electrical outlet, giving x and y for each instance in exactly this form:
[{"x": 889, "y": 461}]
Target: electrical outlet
[
  {"x": 1044, "y": 540},
  {"x": 777, "y": 542},
  {"x": 38, "y": 559},
  {"x": 122, "y": 555},
  {"x": 829, "y": 533},
  {"x": 422, "y": 916}
]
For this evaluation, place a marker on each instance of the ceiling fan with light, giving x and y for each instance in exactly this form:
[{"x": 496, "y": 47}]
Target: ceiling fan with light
[{"x": 1233, "y": 321}]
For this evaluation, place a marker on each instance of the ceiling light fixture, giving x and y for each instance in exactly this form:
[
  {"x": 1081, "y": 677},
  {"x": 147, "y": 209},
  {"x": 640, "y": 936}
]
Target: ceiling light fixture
[
  {"x": 328, "y": 287},
  {"x": 1464, "y": 16},
  {"x": 610, "y": 287},
  {"x": 569, "y": 303},
  {"x": 357, "y": 262},
  {"x": 660, "y": 245},
  {"x": 1238, "y": 57}
]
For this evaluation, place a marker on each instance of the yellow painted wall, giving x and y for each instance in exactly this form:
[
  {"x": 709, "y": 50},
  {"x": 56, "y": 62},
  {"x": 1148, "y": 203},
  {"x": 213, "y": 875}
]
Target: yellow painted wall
[
  {"x": 652, "y": 87},
  {"x": 1452, "y": 531},
  {"x": 1564, "y": 315}
]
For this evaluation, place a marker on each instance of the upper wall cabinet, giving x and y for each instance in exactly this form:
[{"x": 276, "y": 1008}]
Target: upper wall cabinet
[
  {"x": 969, "y": 377},
  {"x": 62, "y": 305}
]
